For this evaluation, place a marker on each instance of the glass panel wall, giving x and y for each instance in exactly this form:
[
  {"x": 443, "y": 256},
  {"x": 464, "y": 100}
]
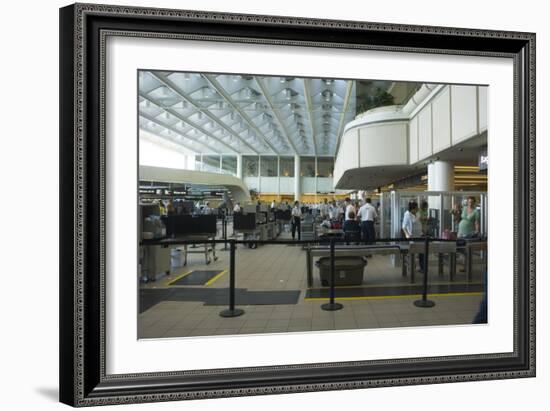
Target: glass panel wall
[
  {"x": 307, "y": 166},
  {"x": 229, "y": 165},
  {"x": 198, "y": 162},
  {"x": 250, "y": 166},
  {"x": 325, "y": 166},
  {"x": 268, "y": 166},
  {"x": 211, "y": 163},
  {"x": 286, "y": 167}
]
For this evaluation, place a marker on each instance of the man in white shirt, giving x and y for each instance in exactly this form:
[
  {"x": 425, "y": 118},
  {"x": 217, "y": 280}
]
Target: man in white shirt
[
  {"x": 207, "y": 210},
  {"x": 296, "y": 214},
  {"x": 349, "y": 207},
  {"x": 333, "y": 211},
  {"x": 273, "y": 205},
  {"x": 237, "y": 208},
  {"x": 367, "y": 213},
  {"x": 323, "y": 209}
]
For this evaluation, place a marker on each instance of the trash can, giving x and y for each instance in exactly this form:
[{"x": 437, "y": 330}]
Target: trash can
[
  {"x": 176, "y": 258},
  {"x": 347, "y": 270}
]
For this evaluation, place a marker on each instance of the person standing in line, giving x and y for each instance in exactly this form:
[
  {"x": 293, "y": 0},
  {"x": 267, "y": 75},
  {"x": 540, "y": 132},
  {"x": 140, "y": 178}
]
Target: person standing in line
[
  {"x": 237, "y": 208},
  {"x": 412, "y": 228},
  {"x": 423, "y": 216},
  {"x": 207, "y": 210},
  {"x": 162, "y": 209},
  {"x": 296, "y": 220},
  {"x": 367, "y": 213},
  {"x": 170, "y": 209},
  {"x": 456, "y": 214},
  {"x": 352, "y": 231},
  {"x": 349, "y": 207},
  {"x": 324, "y": 209},
  {"x": 273, "y": 206},
  {"x": 469, "y": 224},
  {"x": 333, "y": 211}
]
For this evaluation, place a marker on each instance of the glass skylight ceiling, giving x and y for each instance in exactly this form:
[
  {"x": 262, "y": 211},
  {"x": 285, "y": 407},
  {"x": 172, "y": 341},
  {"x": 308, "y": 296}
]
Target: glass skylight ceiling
[{"x": 210, "y": 113}]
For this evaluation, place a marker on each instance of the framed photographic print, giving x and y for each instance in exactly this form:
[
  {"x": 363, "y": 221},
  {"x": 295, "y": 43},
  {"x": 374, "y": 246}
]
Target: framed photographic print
[{"x": 261, "y": 204}]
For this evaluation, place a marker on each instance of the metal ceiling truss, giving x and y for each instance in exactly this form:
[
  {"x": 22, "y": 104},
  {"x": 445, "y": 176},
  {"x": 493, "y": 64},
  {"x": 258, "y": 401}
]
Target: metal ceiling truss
[
  {"x": 276, "y": 115},
  {"x": 221, "y": 91},
  {"x": 186, "y": 120},
  {"x": 184, "y": 96},
  {"x": 349, "y": 89},
  {"x": 250, "y": 115},
  {"x": 309, "y": 106},
  {"x": 177, "y": 132}
]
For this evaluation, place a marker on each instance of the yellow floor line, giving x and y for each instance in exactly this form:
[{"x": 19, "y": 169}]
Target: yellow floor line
[
  {"x": 387, "y": 297},
  {"x": 398, "y": 285},
  {"x": 215, "y": 278},
  {"x": 179, "y": 277}
]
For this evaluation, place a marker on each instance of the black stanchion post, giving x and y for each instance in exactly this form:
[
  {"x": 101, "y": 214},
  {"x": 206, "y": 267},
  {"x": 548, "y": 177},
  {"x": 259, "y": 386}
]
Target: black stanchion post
[
  {"x": 331, "y": 305},
  {"x": 424, "y": 302},
  {"x": 231, "y": 311},
  {"x": 224, "y": 231}
]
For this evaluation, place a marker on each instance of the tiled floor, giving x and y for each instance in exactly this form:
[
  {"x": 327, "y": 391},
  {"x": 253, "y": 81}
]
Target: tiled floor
[{"x": 281, "y": 267}]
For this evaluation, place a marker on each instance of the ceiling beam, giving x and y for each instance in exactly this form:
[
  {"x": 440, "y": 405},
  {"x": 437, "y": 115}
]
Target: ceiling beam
[
  {"x": 183, "y": 95},
  {"x": 349, "y": 89},
  {"x": 220, "y": 90},
  {"x": 171, "y": 140},
  {"x": 186, "y": 120},
  {"x": 265, "y": 93},
  {"x": 309, "y": 113},
  {"x": 175, "y": 130}
]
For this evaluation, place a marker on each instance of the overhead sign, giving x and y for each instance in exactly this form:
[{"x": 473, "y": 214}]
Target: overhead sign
[
  {"x": 147, "y": 191},
  {"x": 483, "y": 161}
]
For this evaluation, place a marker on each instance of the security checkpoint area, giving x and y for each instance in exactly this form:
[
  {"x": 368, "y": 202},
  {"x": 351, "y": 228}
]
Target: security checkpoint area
[{"x": 284, "y": 204}]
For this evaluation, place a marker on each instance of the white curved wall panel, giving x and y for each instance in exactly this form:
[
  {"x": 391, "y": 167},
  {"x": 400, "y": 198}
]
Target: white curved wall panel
[
  {"x": 441, "y": 120},
  {"x": 383, "y": 144},
  {"x": 482, "y": 112},
  {"x": 448, "y": 115},
  {"x": 464, "y": 112},
  {"x": 413, "y": 140},
  {"x": 425, "y": 132},
  {"x": 349, "y": 149}
]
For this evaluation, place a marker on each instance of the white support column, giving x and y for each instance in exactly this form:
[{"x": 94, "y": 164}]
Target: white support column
[
  {"x": 316, "y": 176},
  {"x": 240, "y": 166},
  {"x": 441, "y": 176},
  {"x": 297, "y": 178},
  {"x": 259, "y": 175},
  {"x": 278, "y": 178}
]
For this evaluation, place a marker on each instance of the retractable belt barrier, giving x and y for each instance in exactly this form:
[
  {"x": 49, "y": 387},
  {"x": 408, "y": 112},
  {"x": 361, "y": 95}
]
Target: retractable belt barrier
[{"x": 331, "y": 305}]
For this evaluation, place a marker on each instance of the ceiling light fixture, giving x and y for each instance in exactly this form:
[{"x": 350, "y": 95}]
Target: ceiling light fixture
[{"x": 327, "y": 94}]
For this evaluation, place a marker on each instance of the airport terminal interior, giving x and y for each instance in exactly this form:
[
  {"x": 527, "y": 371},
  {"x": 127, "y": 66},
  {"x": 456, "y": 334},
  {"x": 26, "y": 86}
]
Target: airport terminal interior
[{"x": 289, "y": 204}]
